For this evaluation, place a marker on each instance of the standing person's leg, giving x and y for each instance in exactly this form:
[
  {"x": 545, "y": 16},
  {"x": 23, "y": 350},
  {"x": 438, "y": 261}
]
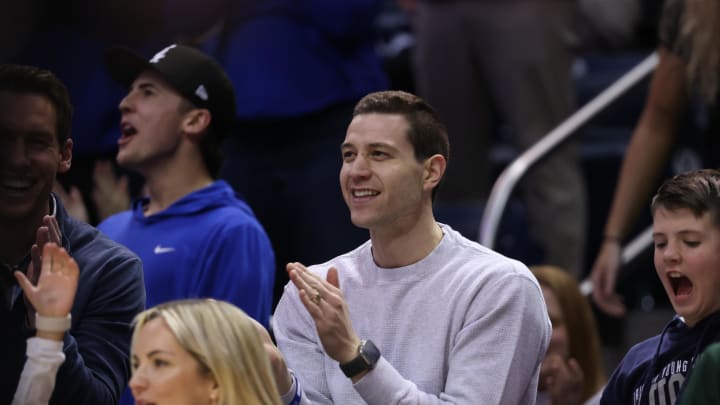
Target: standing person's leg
[
  {"x": 287, "y": 171},
  {"x": 529, "y": 55},
  {"x": 447, "y": 76}
]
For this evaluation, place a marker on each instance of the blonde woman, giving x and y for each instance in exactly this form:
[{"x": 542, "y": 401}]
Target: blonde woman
[
  {"x": 689, "y": 66},
  {"x": 572, "y": 372},
  {"x": 199, "y": 352}
]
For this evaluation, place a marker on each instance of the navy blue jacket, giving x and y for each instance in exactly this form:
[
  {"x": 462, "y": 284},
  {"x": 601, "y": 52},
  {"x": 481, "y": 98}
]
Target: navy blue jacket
[
  {"x": 110, "y": 293},
  {"x": 657, "y": 367}
]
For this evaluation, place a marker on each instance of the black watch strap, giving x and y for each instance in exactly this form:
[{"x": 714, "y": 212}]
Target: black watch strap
[{"x": 368, "y": 356}]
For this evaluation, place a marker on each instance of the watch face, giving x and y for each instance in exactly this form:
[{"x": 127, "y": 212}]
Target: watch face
[{"x": 369, "y": 353}]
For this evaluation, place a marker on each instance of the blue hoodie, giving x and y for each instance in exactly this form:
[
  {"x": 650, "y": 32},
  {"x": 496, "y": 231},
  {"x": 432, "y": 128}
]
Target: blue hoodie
[
  {"x": 206, "y": 244},
  {"x": 654, "y": 371}
]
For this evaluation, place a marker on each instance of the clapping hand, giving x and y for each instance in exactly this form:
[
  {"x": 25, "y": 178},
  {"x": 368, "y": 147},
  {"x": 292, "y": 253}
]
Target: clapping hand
[
  {"x": 73, "y": 201},
  {"x": 328, "y": 308},
  {"x": 110, "y": 193},
  {"x": 48, "y": 232},
  {"x": 54, "y": 293},
  {"x": 277, "y": 361}
]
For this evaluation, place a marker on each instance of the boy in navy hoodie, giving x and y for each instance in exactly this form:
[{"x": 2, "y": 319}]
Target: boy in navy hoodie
[{"x": 686, "y": 234}]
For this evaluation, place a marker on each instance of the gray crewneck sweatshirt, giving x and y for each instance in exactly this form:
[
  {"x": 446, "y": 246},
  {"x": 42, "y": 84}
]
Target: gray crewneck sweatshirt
[{"x": 464, "y": 325}]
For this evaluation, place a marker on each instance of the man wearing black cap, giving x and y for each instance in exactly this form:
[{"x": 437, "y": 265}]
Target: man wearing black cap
[{"x": 195, "y": 236}]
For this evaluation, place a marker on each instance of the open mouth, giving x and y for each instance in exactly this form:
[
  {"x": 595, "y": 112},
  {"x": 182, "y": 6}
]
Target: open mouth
[
  {"x": 681, "y": 285},
  {"x": 126, "y": 132}
]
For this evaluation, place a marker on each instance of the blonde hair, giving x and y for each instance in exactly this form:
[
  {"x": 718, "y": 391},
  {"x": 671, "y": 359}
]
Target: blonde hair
[
  {"x": 226, "y": 345},
  {"x": 700, "y": 31},
  {"x": 580, "y": 323}
]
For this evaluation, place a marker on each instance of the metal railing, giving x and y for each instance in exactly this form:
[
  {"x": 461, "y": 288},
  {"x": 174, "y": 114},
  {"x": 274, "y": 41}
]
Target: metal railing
[{"x": 509, "y": 178}]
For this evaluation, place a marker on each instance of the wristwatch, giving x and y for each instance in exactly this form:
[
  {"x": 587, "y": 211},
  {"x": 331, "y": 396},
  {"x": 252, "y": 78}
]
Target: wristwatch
[
  {"x": 52, "y": 324},
  {"x": 368, "y": 356}
]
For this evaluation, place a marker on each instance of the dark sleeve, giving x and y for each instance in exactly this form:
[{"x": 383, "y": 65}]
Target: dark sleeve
[
  {"x": 96, "y": 368},
  {"x": 702, "y": 386},
  {"x": 614, "y": 391}
]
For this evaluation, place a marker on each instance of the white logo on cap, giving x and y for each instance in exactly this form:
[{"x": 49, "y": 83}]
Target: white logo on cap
[
  {"x": 161, "y": 54},
  {"x": 201, "y": 92}
]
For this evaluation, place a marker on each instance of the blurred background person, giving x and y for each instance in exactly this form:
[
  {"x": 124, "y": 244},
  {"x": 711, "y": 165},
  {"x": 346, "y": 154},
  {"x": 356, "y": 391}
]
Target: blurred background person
[
  {"x": 298, "y": 70},
  {"x": 689, "y": 53},
  {"x": 504, "y": 67},
  {"x": 572, "y": 372}
]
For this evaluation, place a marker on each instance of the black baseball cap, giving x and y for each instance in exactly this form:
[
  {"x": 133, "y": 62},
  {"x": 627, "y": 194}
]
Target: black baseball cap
[{"x": 192, "y": 73}]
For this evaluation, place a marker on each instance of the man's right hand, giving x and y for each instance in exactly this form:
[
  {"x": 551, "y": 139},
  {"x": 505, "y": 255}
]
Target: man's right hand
[
  {"x": 277, "y": 362},
  {"x": 604, "y": 276}
]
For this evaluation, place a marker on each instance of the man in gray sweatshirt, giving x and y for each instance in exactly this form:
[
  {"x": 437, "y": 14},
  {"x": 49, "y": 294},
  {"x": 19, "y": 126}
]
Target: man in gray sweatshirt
[{"x": 418, "y": 314}]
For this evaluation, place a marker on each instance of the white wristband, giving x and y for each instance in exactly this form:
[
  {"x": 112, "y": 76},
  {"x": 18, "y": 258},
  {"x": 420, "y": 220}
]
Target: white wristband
[{"x": 52, "y": 323}]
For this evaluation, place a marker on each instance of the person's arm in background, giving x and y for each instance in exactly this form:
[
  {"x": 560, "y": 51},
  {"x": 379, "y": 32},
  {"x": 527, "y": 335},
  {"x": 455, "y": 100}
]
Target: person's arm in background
[
  {"x": 646, "y": 155},
  {"x": 52, "y": 297}
]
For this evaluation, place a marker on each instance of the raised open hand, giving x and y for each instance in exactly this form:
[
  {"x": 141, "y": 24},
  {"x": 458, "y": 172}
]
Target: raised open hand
[
  {"x": 72, "y": 201},
  {"x": 54, "y": 293}
]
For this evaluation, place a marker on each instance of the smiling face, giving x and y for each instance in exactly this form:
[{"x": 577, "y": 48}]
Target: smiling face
[
  {"x": 152, "y": 116},
  {"x": 381, "y": 180},
  {"x": 30, "y": 155},
  {"x": 164, "y": 372},
  {"x": 687, "y": 261}
]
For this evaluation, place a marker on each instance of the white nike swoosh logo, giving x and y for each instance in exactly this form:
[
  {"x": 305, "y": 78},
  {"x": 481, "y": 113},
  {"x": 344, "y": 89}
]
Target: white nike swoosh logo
[{"x": 160, "y": 250}]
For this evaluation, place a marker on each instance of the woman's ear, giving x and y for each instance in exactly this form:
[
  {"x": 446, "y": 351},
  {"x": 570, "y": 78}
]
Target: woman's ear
[
  {"x": 196, "y": 122},
  {"x": 215, "y": 393}
]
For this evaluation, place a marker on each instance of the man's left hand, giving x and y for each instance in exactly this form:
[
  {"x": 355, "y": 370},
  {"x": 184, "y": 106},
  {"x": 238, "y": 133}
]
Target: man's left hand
[{"x": 328, "y": 308}]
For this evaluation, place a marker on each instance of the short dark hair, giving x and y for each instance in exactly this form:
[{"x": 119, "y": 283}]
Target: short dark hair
[
  {"x": 31, "y": 79},
  {"x": 698, "y": 191},
  {"x": 426, "y": 132}
]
